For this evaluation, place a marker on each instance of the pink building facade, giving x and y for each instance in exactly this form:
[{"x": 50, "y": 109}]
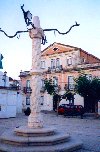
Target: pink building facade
[{"x": 62, "y": 63}]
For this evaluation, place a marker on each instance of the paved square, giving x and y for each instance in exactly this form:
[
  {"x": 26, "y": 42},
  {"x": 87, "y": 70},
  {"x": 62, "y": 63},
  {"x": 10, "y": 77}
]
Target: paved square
[{"x": 86, "y": 129}]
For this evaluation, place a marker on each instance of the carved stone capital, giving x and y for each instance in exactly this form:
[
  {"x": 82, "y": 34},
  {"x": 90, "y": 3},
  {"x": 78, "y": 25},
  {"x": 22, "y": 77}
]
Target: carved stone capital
[{"x": 36, "y": 33}]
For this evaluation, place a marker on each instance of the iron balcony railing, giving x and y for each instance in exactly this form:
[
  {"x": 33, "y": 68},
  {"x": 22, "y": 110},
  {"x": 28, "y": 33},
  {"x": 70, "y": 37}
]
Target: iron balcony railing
[
  {"x": 10, "y": 88},
  {"x": 27, "y": 90},
  {"x": 55, "y": 69}
]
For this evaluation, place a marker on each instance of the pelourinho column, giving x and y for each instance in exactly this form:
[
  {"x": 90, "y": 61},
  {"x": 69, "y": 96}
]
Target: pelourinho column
[{"x": 35, "y": 118}]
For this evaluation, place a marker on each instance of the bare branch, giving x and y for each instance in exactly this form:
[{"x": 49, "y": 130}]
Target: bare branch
[
  {"x": 18, "y": 32},
  {"x": 45, "y": 30}
]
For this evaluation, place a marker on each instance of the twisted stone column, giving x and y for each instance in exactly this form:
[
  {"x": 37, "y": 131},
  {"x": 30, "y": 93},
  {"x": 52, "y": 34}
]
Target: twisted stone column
[{"x": 35, "y": 119}]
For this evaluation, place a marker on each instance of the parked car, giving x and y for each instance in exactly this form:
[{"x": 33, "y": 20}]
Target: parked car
[{"x": 71, "y": 110}]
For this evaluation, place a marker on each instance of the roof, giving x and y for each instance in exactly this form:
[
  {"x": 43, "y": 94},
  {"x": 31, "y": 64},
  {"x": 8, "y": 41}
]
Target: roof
[
  {"x": 90, "y": 54},
  {"x": 10, "y": 79},
  {"x": 62, "y": 48}
]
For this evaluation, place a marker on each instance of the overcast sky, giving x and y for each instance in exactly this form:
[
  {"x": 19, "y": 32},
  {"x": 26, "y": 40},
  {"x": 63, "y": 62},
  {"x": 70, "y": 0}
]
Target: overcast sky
[{"x": 60, "y": 14}]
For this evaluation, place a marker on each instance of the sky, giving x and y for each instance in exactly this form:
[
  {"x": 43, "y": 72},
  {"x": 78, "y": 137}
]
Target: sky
[{"x": 60, "y": 14}]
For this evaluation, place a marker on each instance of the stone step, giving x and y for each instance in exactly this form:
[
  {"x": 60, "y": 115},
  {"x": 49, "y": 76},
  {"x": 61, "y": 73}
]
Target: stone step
[
  {"x": 26, "y": 131},
  {"x": 69, "y": 146},
  {"x": 10, "y": 137}
]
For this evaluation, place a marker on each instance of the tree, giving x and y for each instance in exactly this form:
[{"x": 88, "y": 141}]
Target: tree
[
  {"x": 49, "y": 86},
  {"x": 69, "y": 95},
  {"x": 52, "y": 90},
  {"x": 90, "y": 90}
]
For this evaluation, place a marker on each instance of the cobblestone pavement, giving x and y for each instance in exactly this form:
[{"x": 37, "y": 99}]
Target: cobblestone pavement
[{"x": 86, "y": 129}]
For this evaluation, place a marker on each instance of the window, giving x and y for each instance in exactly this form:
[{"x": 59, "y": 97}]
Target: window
[
  {"x": 42, "y": 83},
  {"x": 83, "y": 60},
  {"x": 89, "y": 76},
  {"x": 55, "y": 81},
  {"x": 69, "y": 61},
  {"x": 57, "y": 63},
  {"x": 28, "y": 83},
  {"x": 55, "y": 49},
  {"x": 42, "y": 64},
  {"x": 70, "y": 82},
  {"x": 52, "y": 63},
  {"x": 27, "y": 100},
  {"x": 42, "y": 100}
]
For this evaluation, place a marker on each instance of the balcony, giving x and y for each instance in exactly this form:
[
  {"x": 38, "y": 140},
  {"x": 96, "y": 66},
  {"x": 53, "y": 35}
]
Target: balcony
[
  {"x": 24, "y": 73},
  {"x": 84, "y": 66},
  {"x": 27, "y": 90},
  {"x": 59, "y": 68},
  {"x": 55, "y": 69},
  {"x": 15, "y": 88},
  {"x": 89, "y": 66},
  {"x": 10, "y": 88}
]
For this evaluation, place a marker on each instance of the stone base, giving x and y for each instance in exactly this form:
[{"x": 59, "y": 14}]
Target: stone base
[
  {"x": 35, "y": 120},
  {"x": 34, "y": 132},
  {"x": 24, "y": 139}
]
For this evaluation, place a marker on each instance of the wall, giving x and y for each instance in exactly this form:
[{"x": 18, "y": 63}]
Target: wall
[
  {"x": 47, "y": 104},
  {"x": 19, "y": 102},
  {"x": 2, "y": 81},
  {"x": 88, "y": 57},
  {"x": 78, "y": 100},
  {"x": 63, "y": 58},
  {"x": 23, "y": 84},
  {"x": 99, "y": 107},
  {"x": 9, "y": 103}
]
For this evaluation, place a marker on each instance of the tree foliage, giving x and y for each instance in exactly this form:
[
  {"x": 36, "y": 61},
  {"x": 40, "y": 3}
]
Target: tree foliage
[
  {"x": 68, "y": 95},
  {"x": 88, "y": 87},
  {"x": 95, "y": 89},
  {"x": 51, "y": 89},
  {"x": 49, "y": 86}
]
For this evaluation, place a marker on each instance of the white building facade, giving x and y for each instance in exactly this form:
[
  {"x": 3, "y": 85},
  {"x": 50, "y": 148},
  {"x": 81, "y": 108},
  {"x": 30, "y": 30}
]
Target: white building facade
[{"x": 10, "y": 98}]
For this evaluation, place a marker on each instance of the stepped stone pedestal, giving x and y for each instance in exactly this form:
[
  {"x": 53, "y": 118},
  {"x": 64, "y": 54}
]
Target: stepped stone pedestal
[
  {"x": 24, "y": 139},
  {"x": 35, "y": 137}
]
